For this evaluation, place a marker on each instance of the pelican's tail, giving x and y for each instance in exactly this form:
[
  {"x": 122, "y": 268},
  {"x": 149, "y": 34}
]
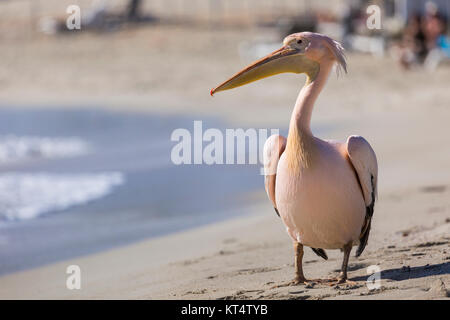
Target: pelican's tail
[{"x": 320, "y": 252}]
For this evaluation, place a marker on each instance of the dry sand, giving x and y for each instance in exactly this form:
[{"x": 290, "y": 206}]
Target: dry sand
[{"x": 170, "y": 70}]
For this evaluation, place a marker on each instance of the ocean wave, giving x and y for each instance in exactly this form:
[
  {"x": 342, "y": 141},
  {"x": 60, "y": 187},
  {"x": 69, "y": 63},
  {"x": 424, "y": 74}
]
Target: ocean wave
[
  {"x": 28, "y": 195},
  {"x": 18, "y": 148}
]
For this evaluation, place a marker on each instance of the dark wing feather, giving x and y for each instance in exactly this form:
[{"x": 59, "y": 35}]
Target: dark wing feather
[
  {"x": 276, "y": 210},
  {"x": 320, "y": 252},
  {"x": 366, "y": 228},
  {"x": 364, "y": 162}
]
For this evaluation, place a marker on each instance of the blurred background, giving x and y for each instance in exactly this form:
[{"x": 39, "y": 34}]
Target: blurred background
[{"x": 86, "y": 115}]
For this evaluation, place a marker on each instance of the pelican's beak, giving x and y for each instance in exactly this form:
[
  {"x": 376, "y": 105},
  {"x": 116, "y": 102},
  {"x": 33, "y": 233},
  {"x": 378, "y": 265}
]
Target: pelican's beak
[{"x": 282, "y": 60}]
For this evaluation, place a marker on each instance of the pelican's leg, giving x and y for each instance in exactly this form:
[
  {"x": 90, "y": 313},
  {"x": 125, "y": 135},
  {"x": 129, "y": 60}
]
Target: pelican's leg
[
  {"x": 299, "y": 276},
  {"x": 342, "y": 278},
  {"x": 343, "y": 275}
]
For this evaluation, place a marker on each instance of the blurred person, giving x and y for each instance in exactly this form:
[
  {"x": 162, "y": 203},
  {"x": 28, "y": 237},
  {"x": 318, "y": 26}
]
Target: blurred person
[
  {"x": 439, "y": 53},
  {"x": 350, "y": 20},
  {"x": 433, "y": 25},
  {"x": 436, "y": 42},
  {"x": 413, "y": 49},
  {"x": 424, "y": 41}
]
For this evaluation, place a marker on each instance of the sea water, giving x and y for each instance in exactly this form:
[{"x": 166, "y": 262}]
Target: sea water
[{"x": 74, "y": 182}]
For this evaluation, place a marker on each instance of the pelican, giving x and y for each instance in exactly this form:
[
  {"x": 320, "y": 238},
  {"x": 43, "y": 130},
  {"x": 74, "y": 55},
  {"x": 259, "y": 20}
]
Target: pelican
[{"x": 324, "y": 191}]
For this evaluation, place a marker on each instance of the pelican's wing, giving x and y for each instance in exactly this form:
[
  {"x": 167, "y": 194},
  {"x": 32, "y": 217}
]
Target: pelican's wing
[
  {"x": 364, "y": 161},
  {"x": 273, "y": 149}
]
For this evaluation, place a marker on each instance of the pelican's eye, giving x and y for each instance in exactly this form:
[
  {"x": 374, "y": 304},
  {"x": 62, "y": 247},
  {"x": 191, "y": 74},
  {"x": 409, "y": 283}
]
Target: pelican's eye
[{"x": 300, "y": 44}]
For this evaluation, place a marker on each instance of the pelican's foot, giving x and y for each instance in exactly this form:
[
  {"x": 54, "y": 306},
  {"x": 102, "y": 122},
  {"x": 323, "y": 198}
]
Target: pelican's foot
[
  {"x": 295, "y": 282},
  {"x": 340, "y": 280},
  {"x": 300, "y": 281}
]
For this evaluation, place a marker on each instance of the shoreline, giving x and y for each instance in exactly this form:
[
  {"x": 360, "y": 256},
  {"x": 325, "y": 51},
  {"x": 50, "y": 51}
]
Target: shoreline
[
  {"x": 160, "y": 251},
  {"x": 133, "y": 147}
]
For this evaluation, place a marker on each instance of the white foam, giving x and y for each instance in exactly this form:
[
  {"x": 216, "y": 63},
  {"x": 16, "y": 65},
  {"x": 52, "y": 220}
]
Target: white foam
[
  {"x": 18, "y": 148},
  {"x": 28, "y": 195}
]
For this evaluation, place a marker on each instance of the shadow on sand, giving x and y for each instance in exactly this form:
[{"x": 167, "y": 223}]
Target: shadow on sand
[{"x": 407, "y": 272}]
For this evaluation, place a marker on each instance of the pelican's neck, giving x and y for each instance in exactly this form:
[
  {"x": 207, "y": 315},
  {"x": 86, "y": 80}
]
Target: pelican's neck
[
  {"x": 300, "y": 125},
  {"x": 301, "y": 115}
]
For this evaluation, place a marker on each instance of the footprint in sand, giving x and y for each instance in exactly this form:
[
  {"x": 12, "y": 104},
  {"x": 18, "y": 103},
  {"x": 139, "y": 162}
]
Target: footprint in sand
[
  {"x": 431, "y": 244},
  {"x": 434, "y": 189},
  {"x": 255, "y": 270},
  {"x": 200, "y": 291}
]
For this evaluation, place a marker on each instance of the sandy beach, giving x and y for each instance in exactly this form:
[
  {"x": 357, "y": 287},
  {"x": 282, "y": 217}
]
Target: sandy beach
[{"x": 169, "y": 70}]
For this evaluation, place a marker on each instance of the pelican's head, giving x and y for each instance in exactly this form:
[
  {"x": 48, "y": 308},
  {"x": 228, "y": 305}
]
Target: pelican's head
[{"x": 301, "y": 52}]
